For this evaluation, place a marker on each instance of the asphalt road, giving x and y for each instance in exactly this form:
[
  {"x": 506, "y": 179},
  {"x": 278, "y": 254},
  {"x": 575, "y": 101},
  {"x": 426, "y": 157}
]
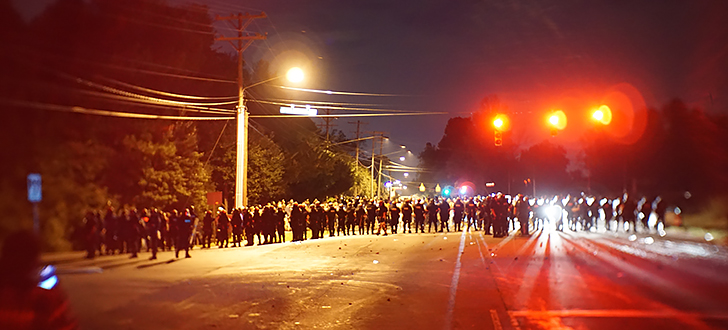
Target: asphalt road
[{"x": 463, "y": 280}]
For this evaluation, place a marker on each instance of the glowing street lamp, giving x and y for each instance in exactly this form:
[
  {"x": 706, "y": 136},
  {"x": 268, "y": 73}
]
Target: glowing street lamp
[{"x": 294, "y": 75}]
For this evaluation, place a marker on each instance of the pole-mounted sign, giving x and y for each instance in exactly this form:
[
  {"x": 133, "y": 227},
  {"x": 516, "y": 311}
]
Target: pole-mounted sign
[
  {"x": 292, "y": 110},
  {"x": 35, "y": 195}
]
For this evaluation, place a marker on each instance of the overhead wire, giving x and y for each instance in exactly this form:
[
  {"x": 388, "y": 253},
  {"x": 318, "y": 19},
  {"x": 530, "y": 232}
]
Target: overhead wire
[
  {"x": 336, "y": 108},
  {"x": 131, "y": 100},
  {"x": 100, "y": 112},
  {"x": 134, "y": 95},
  {"x": 183, "y": 96},
  {"x": 329, "y": 92},
  {"x": 354, "y": 115}
]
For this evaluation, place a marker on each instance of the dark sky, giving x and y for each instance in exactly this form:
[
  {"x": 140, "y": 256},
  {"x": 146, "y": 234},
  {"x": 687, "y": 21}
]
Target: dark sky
[{"x": 535, "y": 55}]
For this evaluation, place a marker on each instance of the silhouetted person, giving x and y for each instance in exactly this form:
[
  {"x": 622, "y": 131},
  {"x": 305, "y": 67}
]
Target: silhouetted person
[
  {"x": 207, "y": 229},
  {"x": 222, "y": 229}
]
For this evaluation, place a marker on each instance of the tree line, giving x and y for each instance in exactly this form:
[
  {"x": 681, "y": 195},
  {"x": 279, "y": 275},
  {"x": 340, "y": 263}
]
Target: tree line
[{"x": 81, "y": 54}]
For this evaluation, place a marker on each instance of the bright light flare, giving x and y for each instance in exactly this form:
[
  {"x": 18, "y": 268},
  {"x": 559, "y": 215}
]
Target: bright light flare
[
  {"x": 401, "y": 158},
  {"x": 557, "y": 119},
  {"x": 295, "y": 75},
  {"x": 603, "y": 115},
  {"x": 554, "y": 212},
  {"x": 498, "y": 123},
  {"x": 501, "y": 122},
  {"x": 554, "y": 120}
]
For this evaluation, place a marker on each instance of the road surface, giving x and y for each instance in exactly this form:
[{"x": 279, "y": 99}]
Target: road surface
[{"x": 457, "y": 280}]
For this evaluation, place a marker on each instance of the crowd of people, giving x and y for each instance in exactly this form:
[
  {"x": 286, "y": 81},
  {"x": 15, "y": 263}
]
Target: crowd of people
[{"x": 496, "y": 214}]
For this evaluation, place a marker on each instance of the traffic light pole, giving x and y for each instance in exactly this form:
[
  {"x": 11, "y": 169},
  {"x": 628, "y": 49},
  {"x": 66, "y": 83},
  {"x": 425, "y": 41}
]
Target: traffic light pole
[{"x": 241, "y": 163}]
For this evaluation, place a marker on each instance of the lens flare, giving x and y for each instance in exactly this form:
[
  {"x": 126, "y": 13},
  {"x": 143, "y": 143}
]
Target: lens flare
[{"x": 557, "y": 119}]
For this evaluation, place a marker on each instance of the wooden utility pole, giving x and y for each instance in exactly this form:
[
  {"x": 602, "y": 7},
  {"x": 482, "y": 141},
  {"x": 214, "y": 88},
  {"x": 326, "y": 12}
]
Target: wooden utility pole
[
  {"x": 358, "y": 125},
  {"x": 240, "y": 23},
  {"x": 380, "y": 137},
  {"x": 327, "y": 124}
]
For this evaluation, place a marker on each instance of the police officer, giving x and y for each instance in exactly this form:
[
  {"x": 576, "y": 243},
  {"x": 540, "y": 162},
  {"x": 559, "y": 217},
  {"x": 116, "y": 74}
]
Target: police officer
[
  {"x": 111, "y": 235},
  {"x": 419, "y": 210},
  {"x": 90, "y": 229},
  {"x": 406, "y": 217},
  {"x": 236, "y": 221},
  {"x": 185, "y": 227},
  {"x": 361, "y": 216},
  {"x": 371, "y": 217},
  {"x": 207, "y": 229},
  {"x": 152, "y": 226},
  {"x": 281, "y": 223},
  {"x": 394, "y": 212},
  {"x": 471, "y": 213},
  {"x": 223, "y": 222},
  {"x": 523, "y": 212},
  {"x": 444, "y": 208},
  {"x": 432, "y": 211},
  {"x": 458, "y": 212},
  {"x": 248, "y": 226},
  {"x": 331, "y": 218}
]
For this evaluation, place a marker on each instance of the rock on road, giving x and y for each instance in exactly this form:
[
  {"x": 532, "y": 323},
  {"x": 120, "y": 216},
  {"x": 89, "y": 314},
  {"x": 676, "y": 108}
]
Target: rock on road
[{"x": 463, "y": 280}]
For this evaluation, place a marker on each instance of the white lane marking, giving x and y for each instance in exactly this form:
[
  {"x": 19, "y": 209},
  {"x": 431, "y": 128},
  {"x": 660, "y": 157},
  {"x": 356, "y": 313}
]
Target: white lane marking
[
  {"x": 496, "y": 321},
  {"x": 454, "y": 284},
  {"x": 510, "y": 236},
  {"x": 533, "y": 268},
  {"x": 618, "y": 313}
]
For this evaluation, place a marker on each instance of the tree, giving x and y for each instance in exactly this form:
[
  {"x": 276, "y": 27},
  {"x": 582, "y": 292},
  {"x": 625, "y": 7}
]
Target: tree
[{"x": 545, "y": 165}]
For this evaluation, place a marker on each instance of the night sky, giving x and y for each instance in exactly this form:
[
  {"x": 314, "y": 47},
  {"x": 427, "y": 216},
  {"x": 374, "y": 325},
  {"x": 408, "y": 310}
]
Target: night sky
[{"x": 536, "y": 56}]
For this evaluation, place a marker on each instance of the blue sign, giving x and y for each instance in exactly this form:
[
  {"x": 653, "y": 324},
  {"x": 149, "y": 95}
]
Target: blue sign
[{"x": 34, "y": 188}]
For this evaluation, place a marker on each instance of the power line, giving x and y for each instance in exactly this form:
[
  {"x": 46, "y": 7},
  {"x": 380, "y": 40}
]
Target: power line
[
  {"x": 183, "y": 96},
  {"x": 355, "y": 115},
  {"x": 329, "y": 92},
  {"x": 99, "y": 112},
  {"x": 335, "y": 108},
  {"x": 288, "y": 101}
]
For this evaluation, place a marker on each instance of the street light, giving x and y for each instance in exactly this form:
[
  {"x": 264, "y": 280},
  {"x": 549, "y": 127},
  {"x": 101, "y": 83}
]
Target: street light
[{"x": 241, "y": 162}]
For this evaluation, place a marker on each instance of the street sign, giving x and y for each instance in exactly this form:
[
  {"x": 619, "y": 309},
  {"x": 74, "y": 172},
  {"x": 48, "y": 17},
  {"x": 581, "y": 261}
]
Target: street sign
[
  {"x": 35, "y": 194},
  {"x": 292, "y": 110}
]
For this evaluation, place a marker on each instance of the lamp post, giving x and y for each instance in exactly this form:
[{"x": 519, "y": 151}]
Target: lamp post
[{"x": 241, "y": 160}]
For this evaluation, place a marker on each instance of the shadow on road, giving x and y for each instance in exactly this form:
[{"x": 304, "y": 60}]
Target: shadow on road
[{"x": 157, "y": 263}]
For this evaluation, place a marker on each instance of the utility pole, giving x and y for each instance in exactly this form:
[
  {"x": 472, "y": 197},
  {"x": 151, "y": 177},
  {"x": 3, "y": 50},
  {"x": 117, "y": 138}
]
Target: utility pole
[
  {"x": 327, "y": 123},
  {"x": 241, "y": 168},
  {"x": 358, "y": 124},
  {"x": 380, "y": 137}
]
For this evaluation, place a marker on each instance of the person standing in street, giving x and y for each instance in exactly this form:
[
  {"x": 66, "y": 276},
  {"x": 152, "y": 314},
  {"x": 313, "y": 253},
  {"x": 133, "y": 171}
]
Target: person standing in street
[
  {"x": 207, "y": 229},
  {"x": 152, "y": 227},
  {"x": 444, "y": 208},
  {"x": 90, "y": 229},
  {"x": 394, "y": 213},
  {"x": 458, "y": 212},
  {"x": 236, "y": 221},
  {"x": 222, "y": 229},
  {"x": 184, "y": 234}
]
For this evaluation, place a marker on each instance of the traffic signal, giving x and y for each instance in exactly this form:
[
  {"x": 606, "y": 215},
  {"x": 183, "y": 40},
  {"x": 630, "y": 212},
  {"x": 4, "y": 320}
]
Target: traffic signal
[
  {"x": 557, "y": 121},
  {"x": 602, "y": 115},
  {"x": 498, "y": 138}
]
